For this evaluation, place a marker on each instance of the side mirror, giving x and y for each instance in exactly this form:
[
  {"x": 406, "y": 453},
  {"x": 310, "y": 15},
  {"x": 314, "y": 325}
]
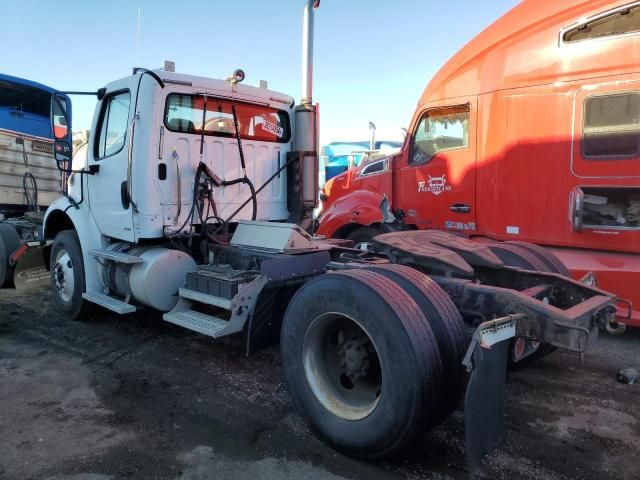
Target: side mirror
[
  {"x": 62, "y": 154},
  {"x": 60, "y": 125},
  {"x": 61, "y": 128}
]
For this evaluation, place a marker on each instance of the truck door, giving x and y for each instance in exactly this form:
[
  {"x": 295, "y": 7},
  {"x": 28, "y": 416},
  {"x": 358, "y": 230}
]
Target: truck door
[
  {"x": 110, "y": 206},
  {"x": 435, "y": 185}
]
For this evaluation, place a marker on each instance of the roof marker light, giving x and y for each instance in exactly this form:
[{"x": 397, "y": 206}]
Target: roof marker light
[{"x": 237, "y": 77}]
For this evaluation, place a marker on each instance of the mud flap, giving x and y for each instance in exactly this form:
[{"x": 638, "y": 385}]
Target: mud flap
[
  {"x": 30, "y": 271},
  {"x": 486, "y": 362}
]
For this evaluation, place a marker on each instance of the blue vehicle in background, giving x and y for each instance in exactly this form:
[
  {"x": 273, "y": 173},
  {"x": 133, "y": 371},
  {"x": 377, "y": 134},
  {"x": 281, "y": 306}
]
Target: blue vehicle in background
[
  {"x": 29, "y": 179},
  {"x": 24, "y": 107},
  {"x": 338, "y": 157}
]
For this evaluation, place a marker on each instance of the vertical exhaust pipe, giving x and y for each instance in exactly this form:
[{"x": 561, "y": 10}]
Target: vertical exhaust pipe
[
  {"x": 372, "y": 142},
  {"x": 303, "y": 190},
  {"x": 307, "y": 52}
]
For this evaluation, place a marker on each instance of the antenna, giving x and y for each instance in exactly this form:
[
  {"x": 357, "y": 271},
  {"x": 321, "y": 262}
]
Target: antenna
[{"x": 138, "y": 33}]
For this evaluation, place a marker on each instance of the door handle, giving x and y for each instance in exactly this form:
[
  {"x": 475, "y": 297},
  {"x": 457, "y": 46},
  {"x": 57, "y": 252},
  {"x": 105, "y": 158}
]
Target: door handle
[
  {"x": 460, "y": 208},
  {"x": 576, "y": 209},
  {"x": 124, "y": 195}
]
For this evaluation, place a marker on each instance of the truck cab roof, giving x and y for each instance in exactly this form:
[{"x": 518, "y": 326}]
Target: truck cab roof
[{"x": 217, "y": 87}]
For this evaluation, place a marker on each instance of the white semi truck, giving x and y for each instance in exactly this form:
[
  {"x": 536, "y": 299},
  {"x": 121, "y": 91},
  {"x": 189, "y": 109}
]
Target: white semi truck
[{"x": 196, "y": 199}]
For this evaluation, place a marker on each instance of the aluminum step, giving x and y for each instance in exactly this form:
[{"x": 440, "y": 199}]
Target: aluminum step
[
  {"x": 205, "y": 298},
  {"x": 198, "y": 322},
  {"x": 110, "y": 303},
  {"x": 119, "y": 257}
]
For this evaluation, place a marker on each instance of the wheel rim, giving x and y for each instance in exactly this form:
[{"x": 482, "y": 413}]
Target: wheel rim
[
  {"x": 342, "y": 366},
  {"x": 366, "y": 246},
  {"x": 63, "y": 275}
]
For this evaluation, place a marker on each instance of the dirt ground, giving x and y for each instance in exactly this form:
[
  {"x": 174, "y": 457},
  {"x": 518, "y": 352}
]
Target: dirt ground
[{"x": 136, "y": 398}]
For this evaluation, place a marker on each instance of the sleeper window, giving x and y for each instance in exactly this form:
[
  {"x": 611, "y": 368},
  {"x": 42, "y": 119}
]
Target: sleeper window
[
  {"x": 620, "y": 22},
  {"x": 611, "y": 126}
]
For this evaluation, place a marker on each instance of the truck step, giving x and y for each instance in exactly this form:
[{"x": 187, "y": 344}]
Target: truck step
[
  {"x": 110, "y": 303},
  {"x": 205, "y": 298},
  {"x": 199, "y": 322},
  {"x": 119, "y": 257}
]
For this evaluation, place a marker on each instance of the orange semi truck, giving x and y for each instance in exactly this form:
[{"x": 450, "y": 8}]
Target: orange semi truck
[{"x": 530, "y": 133}]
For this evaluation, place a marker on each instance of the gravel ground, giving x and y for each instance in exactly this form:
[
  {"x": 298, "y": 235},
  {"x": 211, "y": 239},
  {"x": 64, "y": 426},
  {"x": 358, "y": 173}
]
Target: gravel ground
[{"x": 136, "y": 398}]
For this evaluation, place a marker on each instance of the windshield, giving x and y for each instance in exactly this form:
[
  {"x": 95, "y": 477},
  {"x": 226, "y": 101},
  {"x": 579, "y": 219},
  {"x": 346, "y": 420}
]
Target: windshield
[
  {"x": 187, "y": 114},
  {"x": 24, "y": 98}
]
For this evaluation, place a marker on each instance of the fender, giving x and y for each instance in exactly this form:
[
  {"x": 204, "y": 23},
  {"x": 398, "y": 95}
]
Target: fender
[
  {"x": 62, "y": 215},
  {"x": 361, "y": 207}
]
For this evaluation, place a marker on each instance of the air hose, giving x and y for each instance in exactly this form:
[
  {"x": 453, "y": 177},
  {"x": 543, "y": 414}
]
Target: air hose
[
  {"x": 244, "y": 179},
  {"x": 218, "y": 182},
  {"x": 30, "y": 191}
]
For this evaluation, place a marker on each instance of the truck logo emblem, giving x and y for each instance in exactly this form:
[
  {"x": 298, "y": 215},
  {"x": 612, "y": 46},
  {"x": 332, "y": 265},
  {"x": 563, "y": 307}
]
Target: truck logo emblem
[{"x": 435, "y": 185}]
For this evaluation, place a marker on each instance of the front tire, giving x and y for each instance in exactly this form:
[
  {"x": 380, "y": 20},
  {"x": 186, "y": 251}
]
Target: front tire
[
  {"x": 361, "y": 362},
  {"x": 362, "y": 236},
  {"x": 67, "y": 275}
]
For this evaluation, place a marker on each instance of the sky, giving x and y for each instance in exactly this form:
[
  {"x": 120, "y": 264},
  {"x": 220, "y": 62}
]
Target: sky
[{"x": 372, "y": 59}]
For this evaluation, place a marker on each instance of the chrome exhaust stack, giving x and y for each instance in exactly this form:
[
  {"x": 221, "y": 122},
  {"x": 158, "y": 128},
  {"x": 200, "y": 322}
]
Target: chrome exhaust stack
[
  {"x": 303, "y": 180},
  {"x": 372, "y": 142},
  {"x": 307, "y": 51}
]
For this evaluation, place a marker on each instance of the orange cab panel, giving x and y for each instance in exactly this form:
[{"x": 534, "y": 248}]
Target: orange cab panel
[{"x": 531, "y": 132}]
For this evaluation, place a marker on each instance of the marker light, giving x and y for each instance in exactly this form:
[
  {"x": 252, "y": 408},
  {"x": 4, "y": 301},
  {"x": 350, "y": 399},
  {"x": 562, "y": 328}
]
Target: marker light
[{"x": 237, "y": 77}]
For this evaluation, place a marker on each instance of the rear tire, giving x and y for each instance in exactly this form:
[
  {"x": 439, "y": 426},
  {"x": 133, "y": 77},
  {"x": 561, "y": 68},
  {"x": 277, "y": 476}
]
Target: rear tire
[
  {"x": 446, "y": 323},
  {"x": 67, "y": 276},
  {"x": 316, "y": 332},
  {"x": 9, "y": 242},
  {"x": 362, "y": 236},
  {"x": 554, "y": 264},
  {"x": 514, "y": 254},
  {"x": 517, "y": 256}
]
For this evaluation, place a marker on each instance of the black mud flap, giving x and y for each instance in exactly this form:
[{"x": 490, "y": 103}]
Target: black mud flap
[
  {"x": 484, "y": 404},
  {"x": 30, "y": 271},
  {"x": 486, "y": 361}
]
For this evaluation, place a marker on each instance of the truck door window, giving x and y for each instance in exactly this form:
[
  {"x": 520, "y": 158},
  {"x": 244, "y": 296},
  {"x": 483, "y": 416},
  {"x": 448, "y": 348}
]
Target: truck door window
[
  {"x": 438, "y": 130},
  {"x": 619, "y": 22},
  {"x": 184, "y": 113},
  {"x": 611, "y": 127},
  {"x": 113, "y": 125}
]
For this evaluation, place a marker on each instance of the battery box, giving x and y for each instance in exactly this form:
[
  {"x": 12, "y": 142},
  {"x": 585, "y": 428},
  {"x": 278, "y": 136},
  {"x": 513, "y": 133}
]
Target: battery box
[{"x": 219, "y": 280}]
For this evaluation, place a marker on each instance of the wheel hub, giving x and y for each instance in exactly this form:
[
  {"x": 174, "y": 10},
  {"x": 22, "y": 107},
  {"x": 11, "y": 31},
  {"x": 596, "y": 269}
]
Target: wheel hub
[
  {"x": 63, "y": 276},
  {"x": 355, "y": 358},
  {"x": 342, "y": 366}
]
